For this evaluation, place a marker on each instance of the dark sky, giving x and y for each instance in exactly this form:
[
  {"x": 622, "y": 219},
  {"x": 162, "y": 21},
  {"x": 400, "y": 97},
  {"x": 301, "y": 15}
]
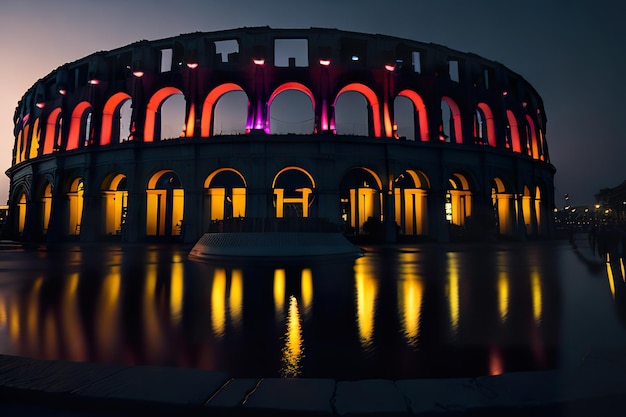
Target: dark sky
[{"x": 573, "y": 52}]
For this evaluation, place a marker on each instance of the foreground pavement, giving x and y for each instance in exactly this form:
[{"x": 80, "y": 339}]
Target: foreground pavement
[{"x": 59, "y": 388}]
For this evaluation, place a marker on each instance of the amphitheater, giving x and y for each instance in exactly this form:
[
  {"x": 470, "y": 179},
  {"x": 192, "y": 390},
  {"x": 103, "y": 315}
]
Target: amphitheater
[{"x": 280, "y": 130}]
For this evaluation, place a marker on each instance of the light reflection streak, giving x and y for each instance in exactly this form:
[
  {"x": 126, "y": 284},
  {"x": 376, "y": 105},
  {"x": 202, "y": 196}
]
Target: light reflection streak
[
  {"x": 366, "y": 293},
  {"x": 537, "y": 296},
  {"x": 410, "y": 291},
  {"x": 453, "y": 290},
  {"x": 176, "y": 292},
  {"x": 293, "y": 350},
  {"x": 307, "y": 290},
  {"x": 153, "y": 336},
  {"x": 218, "y": 302},
  {"x": 503, "y": 295},
  {"x": 107, "y": 313},
  {"x": 609, "y": 272},
  {"x": 279, "y": 292},
  {"x": 71, "y": 319},
  {"x": 496, "y": 366},
  {"x": 621, "y": 265},
  {"x": 32, "y": 313},
  {"x": 236, "y": 296}
]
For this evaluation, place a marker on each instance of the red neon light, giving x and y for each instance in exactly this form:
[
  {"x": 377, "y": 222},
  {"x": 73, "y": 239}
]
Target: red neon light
[
  {"x": 111, "y": 106},
  {"x": 372, "y": 100},
  {"x": 138, "y": 74},
  {"x": 325, "y": 62},
  {"x": 192, "y": 65},
  {"x": 40, "y": 104},
  {"x": 420, "y": 108},
  {"x": 390, "y": 68},
  {"x": 259, "y": 61},
  {"x": 153, "y": 105},
  {"x": 93, "y": 82},
  {"x": 209, "y": 104}
]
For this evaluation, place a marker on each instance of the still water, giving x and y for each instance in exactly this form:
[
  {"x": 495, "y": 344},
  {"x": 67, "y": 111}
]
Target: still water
[{"x": 397, "y": 312}]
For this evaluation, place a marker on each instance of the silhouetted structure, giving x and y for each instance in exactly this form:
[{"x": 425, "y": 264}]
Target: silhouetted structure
[{"x": 91, "y": 157}]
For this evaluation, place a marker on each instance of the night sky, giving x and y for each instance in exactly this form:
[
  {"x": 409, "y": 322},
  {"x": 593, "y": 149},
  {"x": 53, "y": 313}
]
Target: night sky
[{"x": 573, "y": 52}]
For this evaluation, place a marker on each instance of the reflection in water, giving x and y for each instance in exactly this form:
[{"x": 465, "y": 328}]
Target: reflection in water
[
  {"x": 366, "y": 293},
  {"x": 393, "y": 313},
  {"x": 293, "y": 350},
  {"x": 453, "y": 290},
  {"x": 537, "y": 298}
]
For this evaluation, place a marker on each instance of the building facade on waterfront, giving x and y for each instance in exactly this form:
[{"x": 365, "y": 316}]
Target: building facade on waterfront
[{"x": 279, "y": 129}]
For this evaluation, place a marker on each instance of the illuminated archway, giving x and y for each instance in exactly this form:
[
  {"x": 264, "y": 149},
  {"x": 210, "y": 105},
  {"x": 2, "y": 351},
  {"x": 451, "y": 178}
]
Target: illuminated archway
[
  {"x": 293, "y": 192},
  {"x": 372, "y": 100},
  {"x": 46, "y": 207},
  {"x": 114, "y": 204},
  {"x": 206, "y": 126},
  {"x": 513, "y": 139},
  {"x": 450, "y": 128},
  {"x": 361, "y": 203},
  {"x": 230, "y": 114},
  {"x": 164, "y": 204},
  {"x": 34, "y": 140},
  {"x": 75, "y": 206},
  {"x": 527, "y": 210},
  {"x": 304, "y": 123},
  {"x": 152, "y": 129},
  {"x": 21, "y": 213},
  {"x": 421, "y": 119},
  {"x": 410, "y": 191},
  {"x": 531, "y": 138},
  {"x": 225, "y": 196},
  {"x": 538, "y": 210},
  {"x": 80, "y": 126},
  {"x": 458, "y": 200},
  {"x": 503, "y": 201},
  {"x": 112, "y": 117},
  {"x": 484, "y": 130},
  {"x": 52, "y": 138}
]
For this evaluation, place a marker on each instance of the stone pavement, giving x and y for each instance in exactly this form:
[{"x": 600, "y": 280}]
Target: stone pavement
[{"x": 59, "y": 388}]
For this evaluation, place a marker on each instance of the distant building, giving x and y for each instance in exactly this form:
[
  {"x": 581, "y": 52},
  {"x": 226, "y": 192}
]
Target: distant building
[
  {"x": 443, "y": 144},
  {"x": 611, "y": 203}
]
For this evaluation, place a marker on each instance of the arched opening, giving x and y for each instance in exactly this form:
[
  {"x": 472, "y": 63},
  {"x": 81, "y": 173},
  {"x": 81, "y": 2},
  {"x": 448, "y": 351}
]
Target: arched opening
[
  {"x": 419, "y": 118},
  {"x": 114, "y": 204},
  {"x": 538, "y": 211},
  {"x": 209, "y": 107},
  {"x": 458, "y": 204},
  {"x": 404, "y": 114},
  {"x": 293, "y": 192},
  {"x": 347, "y": 121},
  {"x": 164, "y": 204},
  {"x": 80, "y": 126},
  {"x": 532, "y": 147},
  {"x": 503, "y": 201},
  {"x": 410, "y": 190},
  {"x": 450, "y": 127},
  {"x": 169, "y": 126},
  {"x": 52, "y": 139},
  {"x": 527, "y": 210},
  {"x": 229, "y": 117},
  {"x": 116, "y": 119},
  {"x": 75, "y": 206},
  {"x": 484, "y": 128},
  {"x": 291, "y": 109},
  {"x": 225, "y": 196},
  {"x": 46, "y": 207},
  {"x": 360, "y": 199},
  {"x": 34, "y": 140},
  {"x": 21, "y": 213},
  {"x": 512, "y": 132}
]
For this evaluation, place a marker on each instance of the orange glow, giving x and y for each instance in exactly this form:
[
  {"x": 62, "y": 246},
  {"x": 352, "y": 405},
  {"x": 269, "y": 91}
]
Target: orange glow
[
  {"x": 177, "y": 289},
  {"x": 21, "y": 213},
  {"x": 153, "y": 107},
  {"x": 491, "y": 129},
  {"x": 410, "y": 294},
  {"x": 533, "y": 137},
  {"x": 453, "y": 290},
  {"x": 292, "y": 86},
  {"x": 218, "y": 302},
  {"x": 503, "y": 295},
  {"x": 609, "y": 272},
  {"x": 76, "y": 125},
  {"x": 114, "y": 203},
  {"x": 420, "y": 108},
  {"x": 209, "y": 105},
  {"x": 112, "y": 106},
  {"x": 366, "y": 295},
  {"x": 53, "y": 129},
  {"x": 496, "y": 367},
  {"x": 456, "y": 117},
  {"x": 306, "y": 278},
  {"x": 236, "y": 296},
  {"x": 191, "y": 122},
  {"x": 75, "y": 215},
  {"x": 279, "y": 292},
  {"x": 372, "y": 99},
  {"x": 34, "y": 141}
]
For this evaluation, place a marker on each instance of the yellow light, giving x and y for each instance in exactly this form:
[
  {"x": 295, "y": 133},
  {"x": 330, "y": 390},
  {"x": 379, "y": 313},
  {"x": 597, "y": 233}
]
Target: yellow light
[
  {"x": 236, "y": 296},
  {"x": 279, "y": 292},
  {"x": 293, "y": 351},
  {"x": 537, "y": 296},
  {"x": 218, "y": 304},
  {"x": 366, "y": 294},
  {"x": 307, "y": 289},
  {"x": 609, "y": 272},
  {"x": 503, "y": 295},
  {"x": 410, "y": 293},
  {"x": 453, "y": 291},
  {"x": 176, "y": 292}
]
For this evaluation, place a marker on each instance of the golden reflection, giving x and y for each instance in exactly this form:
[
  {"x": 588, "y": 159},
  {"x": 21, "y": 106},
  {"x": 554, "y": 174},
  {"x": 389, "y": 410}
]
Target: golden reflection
[
  {"x": 153, "y": 336},
  {"x": 32, "y": 313},
  {"x": 535, "y": 283},
  {"x": 72, "y": 329},
  {"x": 293, "y": 351},
  {"x": 107, "y": 314},
  {"x": 609, "y": 272},
  {"x": 279, "y": 292},
  {"x": 3, "y": 312},
  {"x": 236, "y": 296},
  {"x": 307, "y": 289},
  {"x": 366, "y": 294},
  {"x": 453, "y": 290},
  {"x": 503, "y": 295},
  {"x": 410, "y": 293},
  {"x": 621, "y": 266},
  {"x": 176, "y": 292},
  {"x": 218, "y": 302}
]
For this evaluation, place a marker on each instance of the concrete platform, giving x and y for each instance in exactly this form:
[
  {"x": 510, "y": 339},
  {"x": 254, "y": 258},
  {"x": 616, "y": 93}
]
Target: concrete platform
[
  {"x": 272, "y": 245},
  {"x": 53, "y": 388}
]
